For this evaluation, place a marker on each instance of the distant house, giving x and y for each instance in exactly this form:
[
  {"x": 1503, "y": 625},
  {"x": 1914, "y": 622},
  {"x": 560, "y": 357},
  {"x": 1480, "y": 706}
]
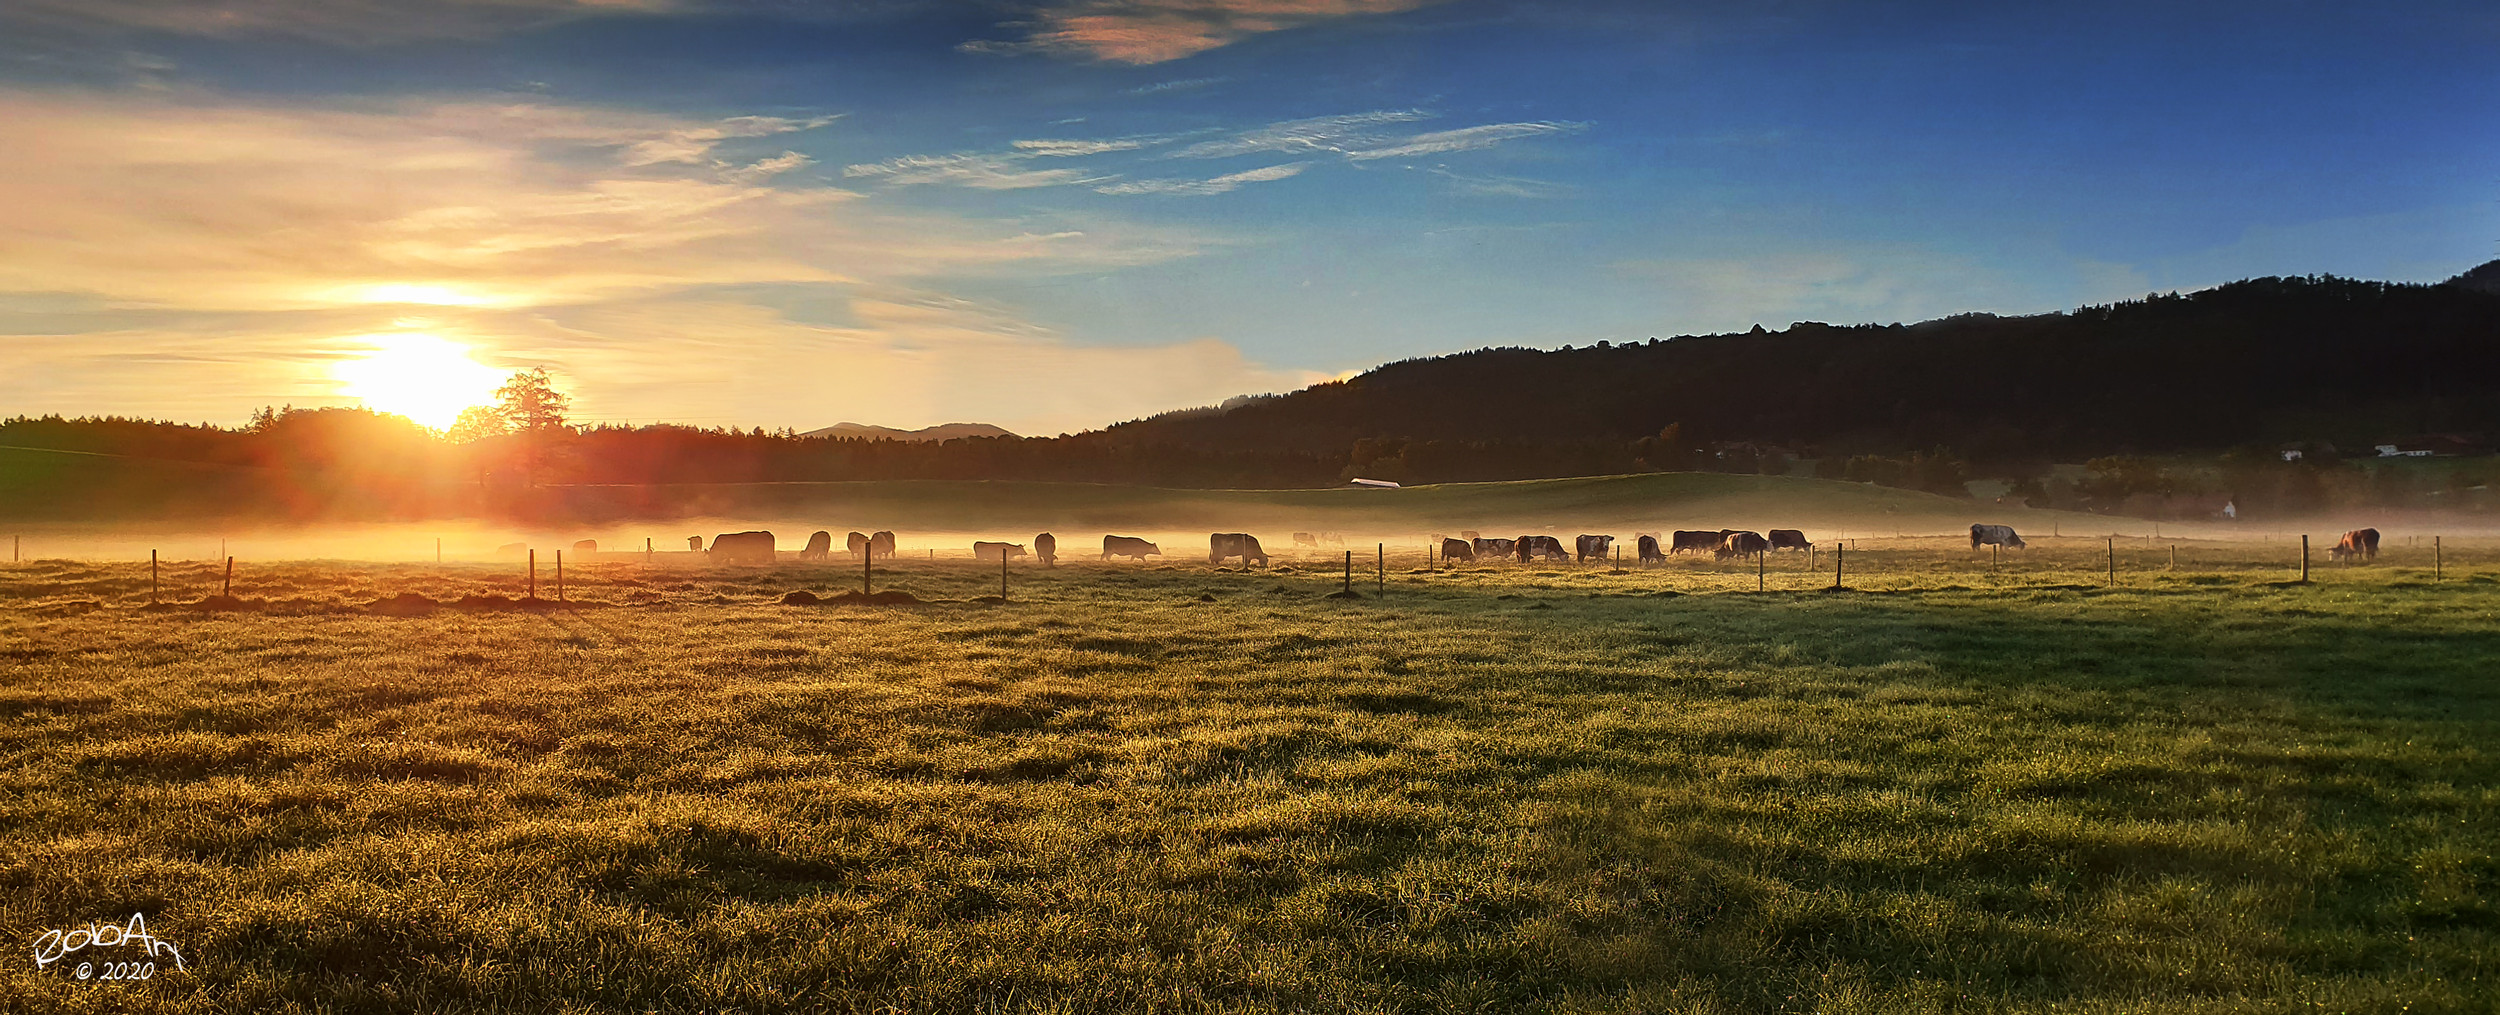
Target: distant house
[{"x": 1376, "y": 484}]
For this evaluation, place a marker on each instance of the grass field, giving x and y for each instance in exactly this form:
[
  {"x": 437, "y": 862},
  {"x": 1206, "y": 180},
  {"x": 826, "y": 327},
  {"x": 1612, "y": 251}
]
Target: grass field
[{"x": 1174, "y": 788}]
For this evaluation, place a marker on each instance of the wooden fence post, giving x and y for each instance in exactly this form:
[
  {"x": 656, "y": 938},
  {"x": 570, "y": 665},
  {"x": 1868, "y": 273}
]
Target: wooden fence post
[
  {"x": 1380, "y": 568},
  {"x": 2174, "y": 556},
  {"x": 867, "y": 569},
  {"x": 1349, "y": 572},
  {"x": 2304, "y": 557},
  {"x": 1840, "y": 560},
  {"x": 151, "y": 576},
  {"x": 228, "y": 589},
  {"x": 533, "y": 573},
  {"x": 1761, "y": 582},
  {"x": 559, "y": 576},
  {"x": 1002, "y": 573},
  {"x": 2438, "y": 564},
  {"x": 646, "y": 551}
]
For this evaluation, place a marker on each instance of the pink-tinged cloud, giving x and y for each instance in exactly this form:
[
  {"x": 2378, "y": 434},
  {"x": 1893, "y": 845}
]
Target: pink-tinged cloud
[{"x": 1156, "y": 31}]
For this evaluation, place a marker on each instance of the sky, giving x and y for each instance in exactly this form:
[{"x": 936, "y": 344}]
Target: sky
[{"x": 1053, "y": 215}]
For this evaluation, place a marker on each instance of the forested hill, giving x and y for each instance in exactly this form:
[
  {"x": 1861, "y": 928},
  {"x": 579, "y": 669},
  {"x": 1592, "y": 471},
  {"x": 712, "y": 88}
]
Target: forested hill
[{"x": 2266, "y": 360}]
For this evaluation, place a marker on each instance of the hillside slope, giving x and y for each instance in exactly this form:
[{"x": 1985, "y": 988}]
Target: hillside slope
[{"x": 2261, "y": 361}]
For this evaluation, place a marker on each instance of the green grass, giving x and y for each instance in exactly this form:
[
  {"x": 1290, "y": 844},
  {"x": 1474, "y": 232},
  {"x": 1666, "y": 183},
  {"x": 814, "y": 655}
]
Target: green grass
[{"x": 1504, "y": 789}]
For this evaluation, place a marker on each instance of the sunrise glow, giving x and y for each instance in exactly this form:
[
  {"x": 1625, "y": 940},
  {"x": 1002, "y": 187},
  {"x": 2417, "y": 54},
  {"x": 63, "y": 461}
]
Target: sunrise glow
[{"x": 424, "y": 377}]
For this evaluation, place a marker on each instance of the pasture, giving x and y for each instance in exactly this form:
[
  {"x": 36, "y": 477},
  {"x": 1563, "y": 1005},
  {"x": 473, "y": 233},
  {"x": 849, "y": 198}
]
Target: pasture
[{"x": 1169, "y": 787}]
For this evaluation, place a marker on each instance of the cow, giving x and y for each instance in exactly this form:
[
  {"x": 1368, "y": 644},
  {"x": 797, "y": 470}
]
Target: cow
[
  {"x": 857, "y": 541},
  {"x": 1740, "y": 543},
  {"x": 1487, "y": 549},
  {"x": 819, "y": 546},
  {"x": 1649, "y": 550},
  {"x": 986, "y": 550},
  {"x": 1547, "y": 547},
  {"x": 1046, "y": 547},
  {"x": 881, "y": 544},
  {"x": 1589, "y": 548},
  {"x": 1695, "y": 540},
  {"x": 1128, "y": 546},
  {"x": 1457, "y": 549},
  {"x": 585, "y": 547},
  {"x": 1306, "y": 539},
  {"x": 1789, "y": 539},
  {"x": 1333, "y": 538},
  {"x": 1469, "y": 534},
  {"x": 1994, "y": 535},
  {"x": 2361, "y": 543},
  {"x": 743, "y": 547},
  {"x": 1221, "y": 545},
  {"x": 694, "y": 543}
]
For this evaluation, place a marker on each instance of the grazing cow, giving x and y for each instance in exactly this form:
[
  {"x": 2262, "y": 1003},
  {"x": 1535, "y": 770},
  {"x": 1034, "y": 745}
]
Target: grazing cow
[
  {"x": 1546, "y": 547},
  {"x": 1695, "y": 540},
  {"x": 1221, "y": 545},
  {"x": 1994, "y": 535},
  {"x": 1047, "y": 548},
  {"x": 512, "y": 549},
  {"x": 986, "y": 550},
  {"x": 1128, "y": 546},
  {"x": 1739, "y": 543},
  {"x": 2361, "y": 543},
  {"x": 1487, "y": 549},
  {"x": 1333, "y": 538},
  {"x": 819, "y": 546},
  {"x": 694, "y": 543},
  {"x": 1789, "y": 539},
  {"x": 1306, "y": 539},
  {"x": 743, "y": 547},
  {"x": 585, "y": 546},
  {"x": 1469, "y": 535},
  {"x": 1457, "y": 549},
  {"x": 857, "y": 542},
  {"x": 1593, "y": 547},
  {"x": 881, "y": 543},
  {"x": 1649, "y": 550}
]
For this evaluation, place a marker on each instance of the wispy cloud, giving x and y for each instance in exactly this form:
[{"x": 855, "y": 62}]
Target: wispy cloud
[
  {"x": 1052, "y": 147},
  {"x": 1156, "y": 31},
  {"x": 1218, "y": 185},
  {"x": 695, "y": 144},
  {"x": 1337, "y": 134},
  {"x": 766, "y": 168},
  {"x": 353, "y": 22},
  {"x": 983, "y": 171},
  {"x": 1462, "y": 139},
  {"x": 1494, "y": 185},
  {"x": 1180, "y": 85}
]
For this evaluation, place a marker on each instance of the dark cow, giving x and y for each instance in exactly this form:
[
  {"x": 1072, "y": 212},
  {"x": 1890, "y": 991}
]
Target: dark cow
[
  {"x": 1046, "y": 547},
  {"x": 1487, "y": 549},
  {"x": 1589, "y": 548},
  {"x": 694, "y": 543},
  {"x": 1994, "y": 535},
  {"x": 1739, "y": 543},
  {"x": 819, "y": 546},
  {"x": 857, "y": 542},
  {"x": 585, "y": 547},
  {"x": 881, "y": 543},
  {"x": 2362, "y": 543},
  {"x": 986, "y": 550},
  {"x": 743, "y": 547},
  {"x": 1457, "y": 549},
  {"x": 1128, "y": 546},
  {"x": 1547, "y": 547},
  {"x": 1221, "y": 545},
  {"x": 1695, "y": 540},
  {"x": 1789, "y": 539},
  {"x": 1306, "y": 539},
  {"x": 1649, "y": 550}
]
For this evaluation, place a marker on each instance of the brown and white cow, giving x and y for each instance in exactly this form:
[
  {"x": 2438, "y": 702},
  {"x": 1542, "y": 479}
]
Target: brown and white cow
[
  {"x": 1994, "y": 535},
  {"x": 1741, "y": 543},
  {"x": 986, "y": 550},
  {"x": 2361, "y": 543},
  {"x": 1222, "y": 546},
  {"x": 1696, "y": 540},
  {"x": 1128, "y": 546},
  {"x": 1487, "y": 549},
  {"x": 1527, "y": 548},
  {"x": 1587, "y": 548}
]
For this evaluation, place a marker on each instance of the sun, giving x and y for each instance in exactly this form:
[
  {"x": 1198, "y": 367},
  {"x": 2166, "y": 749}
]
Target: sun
[{"x": 424, "y": 377}]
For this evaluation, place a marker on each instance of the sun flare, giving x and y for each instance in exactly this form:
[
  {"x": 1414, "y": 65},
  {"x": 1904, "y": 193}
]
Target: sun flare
[{"x": 424, "y": 377}]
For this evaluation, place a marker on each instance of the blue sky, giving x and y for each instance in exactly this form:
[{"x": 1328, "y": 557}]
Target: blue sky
[{"x": 1057, "y": 214}]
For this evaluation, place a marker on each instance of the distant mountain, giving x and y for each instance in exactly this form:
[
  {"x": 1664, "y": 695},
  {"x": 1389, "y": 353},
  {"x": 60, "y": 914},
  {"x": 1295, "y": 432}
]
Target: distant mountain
[
  {"x": 2256, "y": 362},
  {"x": 940, "y": 432}
]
